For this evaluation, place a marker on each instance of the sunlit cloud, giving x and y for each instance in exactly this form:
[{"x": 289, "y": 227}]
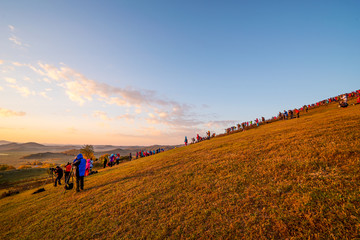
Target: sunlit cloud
[
  {"x": 1, "y": 61},
  {"x": 102, "y": 115},
  {"x": 10, "y": 80},
  {"x": 7, "y": 69},
  {"x": 24, "y": 91},
  {"x": 9, "y": 113},
  {"x": 17, "y": 64},
  {"x": 126, "y": 116},
  {"x": 81, "y": 90},
  {"x": 1, "y": 88},
  {"x": 44, "y": 95}
]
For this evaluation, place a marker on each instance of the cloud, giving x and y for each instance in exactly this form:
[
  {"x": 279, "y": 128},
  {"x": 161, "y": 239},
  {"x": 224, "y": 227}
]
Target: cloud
[
  {"x": 1, "y": 88},
  {"x": 126, "y": 116},
  {"x": 9, "y": 113},
  {"x": 14, "y": 39},
  {"x": 44, "y": 95},
  {"x": 102, "y": 115},
  {"x": 10, "y": 80},
  {"x": 24, "y": 91},
  {"x": 12, "y": 28},
  {"x": 81, "y": 90},
  {"x": 1, "y": 61}
]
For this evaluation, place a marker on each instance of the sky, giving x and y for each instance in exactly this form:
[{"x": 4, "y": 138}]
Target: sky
[{"x": 152, "y": 72}]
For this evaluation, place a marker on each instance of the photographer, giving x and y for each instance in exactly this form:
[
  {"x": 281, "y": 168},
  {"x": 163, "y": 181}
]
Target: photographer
[
  {"x": 59, "y": 174},
  {"x": 67, "y": 172},
  {"x": 80, "y": 164}
]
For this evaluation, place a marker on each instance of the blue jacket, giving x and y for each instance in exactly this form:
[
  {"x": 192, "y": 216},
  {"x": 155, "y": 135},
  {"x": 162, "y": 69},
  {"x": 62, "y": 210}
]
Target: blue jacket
[{"x": 80, "y": 164}]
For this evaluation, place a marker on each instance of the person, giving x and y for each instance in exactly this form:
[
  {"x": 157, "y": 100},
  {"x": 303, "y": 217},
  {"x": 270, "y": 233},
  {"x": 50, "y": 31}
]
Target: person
[
  {"x": 80, "y": 165},
  {"x": 91, "y": 165},
  {"x": 117, "y": 158},
  {"x": 87, "y": 168},
  {"x": 105, "y": 162},
  {"x": 357, "y": 101},
  {"x": 130, "y": 157},
  {"x": 59, "y": 174},
  {"x": 186, "y": 141},
  {"x": 345, "y": 98},
  {"x": 297, "y": 113},
  {"x": 67, "y": 172},
  {"x": 111, "y": 160}
]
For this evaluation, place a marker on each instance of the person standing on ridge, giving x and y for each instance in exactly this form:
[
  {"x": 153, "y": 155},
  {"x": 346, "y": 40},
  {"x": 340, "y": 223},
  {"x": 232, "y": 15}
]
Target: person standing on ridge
[
  {"x": 186, "y": 141},
  {"x": 105, "y": 162},
  {"x": 80, "y": 165},
  {"x": 59, "y": 174},
  {"x": 67, "y": 172}
]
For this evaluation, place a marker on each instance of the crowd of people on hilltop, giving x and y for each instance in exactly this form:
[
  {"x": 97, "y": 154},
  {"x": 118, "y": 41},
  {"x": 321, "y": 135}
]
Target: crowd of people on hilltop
[
  {"x": 142, "y": 154},
  {"x": 285, "y": 115}
]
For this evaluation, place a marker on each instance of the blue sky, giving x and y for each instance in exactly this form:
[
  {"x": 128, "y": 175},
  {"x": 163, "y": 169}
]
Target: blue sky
[{"x": 151, "y": 72}]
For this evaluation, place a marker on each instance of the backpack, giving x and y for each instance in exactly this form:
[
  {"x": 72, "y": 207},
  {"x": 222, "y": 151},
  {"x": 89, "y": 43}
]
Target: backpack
[{"x": 69, "y": 186}]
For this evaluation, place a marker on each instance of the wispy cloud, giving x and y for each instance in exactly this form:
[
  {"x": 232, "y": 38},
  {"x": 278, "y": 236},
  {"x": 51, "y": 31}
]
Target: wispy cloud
[
  {"x": 102, "y": 115},
  {"x": 9, "y": 113},
  {"x": 44, "y": 95},
  {"x": 15, "y": 39},
  {"x": 1, "y": 61},
  {"x": 126, "y": 116},
  {"x": 24, "y": 91}
]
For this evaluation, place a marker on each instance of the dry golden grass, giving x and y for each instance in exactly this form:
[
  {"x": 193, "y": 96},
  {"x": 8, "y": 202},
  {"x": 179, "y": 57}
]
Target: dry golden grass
[{"x": 292, "y": 179}]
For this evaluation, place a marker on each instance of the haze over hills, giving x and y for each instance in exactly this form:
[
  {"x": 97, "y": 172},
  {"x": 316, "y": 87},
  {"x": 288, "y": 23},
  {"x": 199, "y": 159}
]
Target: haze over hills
[
  {"x": 29, "y": 146},
  {"x": 17, "y": 154}
]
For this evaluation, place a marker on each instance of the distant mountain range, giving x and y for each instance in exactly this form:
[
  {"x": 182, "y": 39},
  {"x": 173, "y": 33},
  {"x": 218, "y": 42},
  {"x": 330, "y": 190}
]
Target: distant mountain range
[{"x": 6, "y": 146}]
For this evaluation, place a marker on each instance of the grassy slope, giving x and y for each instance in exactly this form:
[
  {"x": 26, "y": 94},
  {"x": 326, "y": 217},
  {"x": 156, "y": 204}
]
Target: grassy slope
[{"x": 296, "y": 178}]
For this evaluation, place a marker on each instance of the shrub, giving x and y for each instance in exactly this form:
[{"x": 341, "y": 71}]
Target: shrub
[
  {"x": 24, "y": 167},
  {"x": 4, "y": 167},
  {"x": 88, "y": 152}
]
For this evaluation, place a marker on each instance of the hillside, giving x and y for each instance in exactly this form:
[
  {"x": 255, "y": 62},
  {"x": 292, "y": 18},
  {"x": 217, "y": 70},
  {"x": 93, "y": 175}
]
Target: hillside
[{"x": 296, "y": 179}]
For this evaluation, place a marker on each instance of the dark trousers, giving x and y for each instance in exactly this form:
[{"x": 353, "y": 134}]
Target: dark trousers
[
  {"x": 79, "y": 183},
  {"x": 57, "y": 179},
  {"x": 67, "y": 177}
]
